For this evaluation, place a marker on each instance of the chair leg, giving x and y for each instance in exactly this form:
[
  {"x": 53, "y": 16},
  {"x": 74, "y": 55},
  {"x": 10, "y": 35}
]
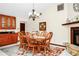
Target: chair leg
[
  {"x": 23, "y": 52},
  {"x": 44, "y": 51},
  {"x": 38, "y": 49},
  {"x": 33, "y": 51},
  {"x": 48, "y": 48},
  {"x": 27, "y": 49},
  {"x": 20, "y": 46}
]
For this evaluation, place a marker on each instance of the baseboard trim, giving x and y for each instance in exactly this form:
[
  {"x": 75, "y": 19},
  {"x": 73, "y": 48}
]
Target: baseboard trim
[{"x": 57, "y": 45}]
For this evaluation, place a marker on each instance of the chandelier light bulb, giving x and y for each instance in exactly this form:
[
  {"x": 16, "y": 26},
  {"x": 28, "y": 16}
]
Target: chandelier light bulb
[{"x": 33, "y": 15}]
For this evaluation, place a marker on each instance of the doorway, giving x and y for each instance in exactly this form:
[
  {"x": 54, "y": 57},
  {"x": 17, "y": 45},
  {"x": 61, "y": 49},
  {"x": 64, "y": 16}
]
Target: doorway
[{"x": 22, "y": 27}]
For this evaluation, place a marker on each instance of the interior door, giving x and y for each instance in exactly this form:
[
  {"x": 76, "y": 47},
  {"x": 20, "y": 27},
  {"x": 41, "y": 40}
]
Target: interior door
[{"x": 22, "y": 27}]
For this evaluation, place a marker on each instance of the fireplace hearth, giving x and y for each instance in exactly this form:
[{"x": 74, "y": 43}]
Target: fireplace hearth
[{"x": 75, "y": 35}]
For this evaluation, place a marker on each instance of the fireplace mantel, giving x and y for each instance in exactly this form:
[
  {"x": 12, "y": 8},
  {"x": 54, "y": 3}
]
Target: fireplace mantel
[{"x": 75, "y": 22}]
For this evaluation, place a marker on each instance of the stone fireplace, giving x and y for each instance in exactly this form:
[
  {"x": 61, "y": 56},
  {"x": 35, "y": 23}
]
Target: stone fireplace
[{"x": 74, "y": 35}]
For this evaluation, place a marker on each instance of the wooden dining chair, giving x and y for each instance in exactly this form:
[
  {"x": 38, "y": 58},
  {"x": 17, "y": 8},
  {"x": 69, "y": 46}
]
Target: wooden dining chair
[
  {"x": 31, "y": 44},
  {"x": 46, "y": 43},
  {"x": 48, "y": 38},
  {"x": 22, "y": 42}
]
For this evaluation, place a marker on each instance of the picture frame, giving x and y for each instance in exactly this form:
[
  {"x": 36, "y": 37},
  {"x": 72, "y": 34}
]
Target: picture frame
[{"x": 42, "y": 26}]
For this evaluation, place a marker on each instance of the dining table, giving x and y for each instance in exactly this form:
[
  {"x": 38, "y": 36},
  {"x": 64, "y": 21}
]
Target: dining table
[{"x": 37, "y": 40}]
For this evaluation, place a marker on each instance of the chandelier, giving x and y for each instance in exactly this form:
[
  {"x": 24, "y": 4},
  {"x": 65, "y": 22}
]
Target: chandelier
[{"x": 33, "y": 15}]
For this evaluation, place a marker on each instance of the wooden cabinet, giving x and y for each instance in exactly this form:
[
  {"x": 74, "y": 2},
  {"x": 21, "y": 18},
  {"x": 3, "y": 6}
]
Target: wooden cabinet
[
  {"x": 7, "y": 22},
  {"x": 8, "y": 39}
]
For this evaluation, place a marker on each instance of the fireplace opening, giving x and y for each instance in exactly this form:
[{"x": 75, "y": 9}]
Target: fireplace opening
[{"x": 75, "y": 36}]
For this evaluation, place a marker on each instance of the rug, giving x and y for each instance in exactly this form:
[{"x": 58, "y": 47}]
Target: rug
[{"x": 54, "y": 51}]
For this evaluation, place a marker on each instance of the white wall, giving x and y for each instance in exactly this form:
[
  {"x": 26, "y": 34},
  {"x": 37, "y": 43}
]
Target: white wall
[
  {"x": 71, "y": 13},
  {"x": 33, "y": 25},
  {"x": 54, "y": 20},
  {"x": 18, "y": 21}
]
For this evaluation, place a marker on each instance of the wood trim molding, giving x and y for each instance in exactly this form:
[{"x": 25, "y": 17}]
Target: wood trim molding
[
  {"x": 57, "y": 45},
  {"x": 75, "y": 22},
  {"x": 6, "y": 15}
]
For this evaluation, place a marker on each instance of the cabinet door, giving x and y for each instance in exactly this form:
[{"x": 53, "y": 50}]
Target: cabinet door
[
  {"x": 0, "y": 22},
  {"x": 3, "y": 22},
  {"x": 14, "y": 23},
  {"x": 6, "y": 22},
  {"x": 10, "y": 22}
]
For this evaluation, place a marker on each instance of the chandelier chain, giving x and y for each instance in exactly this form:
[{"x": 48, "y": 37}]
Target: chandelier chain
[{"x": 33, "y": 4}]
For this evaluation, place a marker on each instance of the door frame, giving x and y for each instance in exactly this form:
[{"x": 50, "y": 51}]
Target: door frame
[{"x": 21, "y": 24}]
